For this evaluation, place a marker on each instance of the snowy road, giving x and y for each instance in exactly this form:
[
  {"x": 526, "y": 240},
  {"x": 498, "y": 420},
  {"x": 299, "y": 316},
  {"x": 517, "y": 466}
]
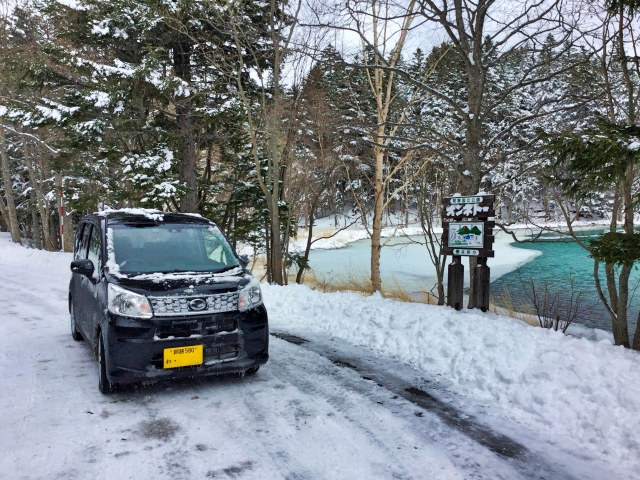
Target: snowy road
[{"x": 320, "y": 410}]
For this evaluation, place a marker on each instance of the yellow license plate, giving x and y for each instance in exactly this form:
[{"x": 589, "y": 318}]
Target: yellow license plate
[{"x": 183, "y": 356}]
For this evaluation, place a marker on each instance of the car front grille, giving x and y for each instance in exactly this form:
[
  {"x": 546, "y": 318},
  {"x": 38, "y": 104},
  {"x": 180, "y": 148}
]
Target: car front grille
[
  {"x": 194, "y": 304},
  {"x": 203, "y": 327}
]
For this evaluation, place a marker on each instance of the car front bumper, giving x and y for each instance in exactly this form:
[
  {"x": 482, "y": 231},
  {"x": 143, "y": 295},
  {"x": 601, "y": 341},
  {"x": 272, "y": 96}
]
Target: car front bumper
[{"x": 233, "y": 342}]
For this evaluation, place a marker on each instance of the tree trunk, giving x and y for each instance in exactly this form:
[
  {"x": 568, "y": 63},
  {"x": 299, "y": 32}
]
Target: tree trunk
[
  {"x": 307, "y": 249},
  {"x": 4, "y": 214},
  {"x": 47, "y": 241},
  {"x": 55, "y": 234},
  {"x": 620, "y": 326},
  {"x": 636, "y": 337},
  {"x": 12, "y": 215},
  {"x": 37, "y": 234},
  {"x": 376, "y": 231},
  {"x": 188, "y": 164},
  {"x": 472, "y": 187},
  {"x": 267, "y": 241},
  {"x": 276, "y": 241},
  {"x": 187, "y": 169},
  {"x": 66, "y": 230}
]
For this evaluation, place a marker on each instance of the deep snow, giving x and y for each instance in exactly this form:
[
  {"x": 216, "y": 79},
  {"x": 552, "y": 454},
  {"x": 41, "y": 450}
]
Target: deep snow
[{"x": 301, "y": 416}]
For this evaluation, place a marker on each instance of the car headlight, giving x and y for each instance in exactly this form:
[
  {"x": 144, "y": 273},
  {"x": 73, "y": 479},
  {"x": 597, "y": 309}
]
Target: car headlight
[
  {"x": 130, "y": 304},
  {"x": 250, "y": 296}
]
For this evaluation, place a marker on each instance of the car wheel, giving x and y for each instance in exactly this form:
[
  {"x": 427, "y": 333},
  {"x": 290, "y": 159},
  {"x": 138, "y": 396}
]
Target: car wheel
[
  {"x": 104, "y": 384},
  {"x": 252, "y": 370},
  {"x": 75, "y": 334}
]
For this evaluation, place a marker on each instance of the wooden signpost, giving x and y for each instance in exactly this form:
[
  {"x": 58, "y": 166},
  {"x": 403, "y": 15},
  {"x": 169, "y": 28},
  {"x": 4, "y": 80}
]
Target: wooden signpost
[{"x": 467, "y": 231}]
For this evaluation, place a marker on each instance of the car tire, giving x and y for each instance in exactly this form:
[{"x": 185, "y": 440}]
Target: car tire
[
  {"x": 75, "y": 334},
  {"x": 252, "y": 370},
  {"x": 104, "y": 384}
]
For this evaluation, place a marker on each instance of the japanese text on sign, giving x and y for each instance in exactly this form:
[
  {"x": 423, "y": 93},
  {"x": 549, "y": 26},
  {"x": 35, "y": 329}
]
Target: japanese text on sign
[{"x": 465, "y": 210}]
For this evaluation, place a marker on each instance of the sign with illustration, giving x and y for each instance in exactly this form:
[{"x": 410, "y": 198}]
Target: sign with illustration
[
  {"x": 466, "y": 235},
  {"x": 467, "y": 231}
]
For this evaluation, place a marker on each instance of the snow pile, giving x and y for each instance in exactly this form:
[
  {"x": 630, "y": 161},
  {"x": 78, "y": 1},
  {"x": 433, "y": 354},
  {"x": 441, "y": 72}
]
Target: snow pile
[
  {"x": 39, "y": 261},
  {"x": 583, "y": 394}
]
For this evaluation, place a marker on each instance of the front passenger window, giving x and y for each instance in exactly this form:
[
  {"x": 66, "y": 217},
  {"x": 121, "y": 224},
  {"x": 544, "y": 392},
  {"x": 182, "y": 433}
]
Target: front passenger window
[
  {"x": 83, "y": 242},
  {"x": 95, "y": 252}
]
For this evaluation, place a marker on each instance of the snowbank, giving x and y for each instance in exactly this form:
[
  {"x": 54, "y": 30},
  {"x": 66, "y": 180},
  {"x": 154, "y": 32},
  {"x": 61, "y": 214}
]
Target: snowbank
[
  {"x": 16, "y": 254},
  {"x": 582, "y": 394}
]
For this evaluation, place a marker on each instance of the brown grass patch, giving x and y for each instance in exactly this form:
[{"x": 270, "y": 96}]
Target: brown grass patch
[
  {"x": 358, "y": 281},
  {"x": 506, "y": 306}
]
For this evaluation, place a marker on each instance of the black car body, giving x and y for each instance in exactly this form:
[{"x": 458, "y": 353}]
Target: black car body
[{"x": 149, "y": 289}]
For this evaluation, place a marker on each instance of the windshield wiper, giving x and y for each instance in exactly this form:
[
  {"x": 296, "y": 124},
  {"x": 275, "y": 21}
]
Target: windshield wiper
[{"x": 226, "y": 269}]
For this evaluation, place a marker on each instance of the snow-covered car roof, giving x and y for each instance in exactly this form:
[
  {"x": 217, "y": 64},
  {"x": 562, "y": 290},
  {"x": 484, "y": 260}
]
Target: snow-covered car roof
[{"x": 144, "y": 215}]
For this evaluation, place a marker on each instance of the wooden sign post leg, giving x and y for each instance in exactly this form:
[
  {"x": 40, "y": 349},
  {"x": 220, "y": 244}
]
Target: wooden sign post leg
[
  {"x": 481, "y": 285},
  {"x": 455, "y": 283}
]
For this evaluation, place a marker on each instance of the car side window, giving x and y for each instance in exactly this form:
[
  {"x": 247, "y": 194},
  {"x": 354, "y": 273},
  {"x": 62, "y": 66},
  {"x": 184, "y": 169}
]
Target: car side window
[
  {"x": 77, "y": 241},
  {"x": 95, "y": 251},
  {"x": 82, "y": 241}
]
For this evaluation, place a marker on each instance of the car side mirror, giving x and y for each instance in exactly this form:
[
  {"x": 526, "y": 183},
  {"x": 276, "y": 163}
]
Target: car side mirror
[
  {"x": 83, "y": 267},
  {"x": 244, "y": 260}
]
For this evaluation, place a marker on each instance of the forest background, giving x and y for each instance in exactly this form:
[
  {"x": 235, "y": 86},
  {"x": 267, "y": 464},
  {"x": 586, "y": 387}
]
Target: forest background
[{"x": 266, "y": 115}]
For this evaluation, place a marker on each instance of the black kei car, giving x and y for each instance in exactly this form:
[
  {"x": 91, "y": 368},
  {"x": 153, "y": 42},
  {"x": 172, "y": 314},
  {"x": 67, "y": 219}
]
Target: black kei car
[{"x": 161, "y": 295}]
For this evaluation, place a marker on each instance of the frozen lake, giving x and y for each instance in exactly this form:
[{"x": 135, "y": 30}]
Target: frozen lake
[
  {"x": 408, "y": 262},
  {"x": 550, "y": 260}
]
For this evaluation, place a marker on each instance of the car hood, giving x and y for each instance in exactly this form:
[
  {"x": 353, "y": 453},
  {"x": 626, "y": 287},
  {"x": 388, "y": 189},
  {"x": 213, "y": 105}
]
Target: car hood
[{"x": 180, "y": 284}]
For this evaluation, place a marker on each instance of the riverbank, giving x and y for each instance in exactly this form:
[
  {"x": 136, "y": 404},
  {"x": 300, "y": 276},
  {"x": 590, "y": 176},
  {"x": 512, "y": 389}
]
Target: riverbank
[
  {"x": 549, "y": 263},
  {"x": 341, "y": 257}
]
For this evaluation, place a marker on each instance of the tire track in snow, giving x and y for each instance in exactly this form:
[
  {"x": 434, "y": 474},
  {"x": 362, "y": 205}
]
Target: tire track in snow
[
  {"x": 515, "y": 454},
  {"x": 358, "y": 403}
]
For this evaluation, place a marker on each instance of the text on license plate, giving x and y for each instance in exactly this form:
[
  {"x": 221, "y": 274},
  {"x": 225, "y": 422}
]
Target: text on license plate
[{"x": 183, "y": 356}]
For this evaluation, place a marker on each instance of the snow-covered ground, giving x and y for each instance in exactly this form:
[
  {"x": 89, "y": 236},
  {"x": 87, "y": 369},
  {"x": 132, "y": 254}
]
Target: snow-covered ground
[
  {"x": 578, "y": 394},
  {"x": 574, "y": 404}
]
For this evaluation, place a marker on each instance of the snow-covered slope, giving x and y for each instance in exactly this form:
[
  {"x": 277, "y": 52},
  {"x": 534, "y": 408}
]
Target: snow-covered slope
[{"x": 580, "y": 394}]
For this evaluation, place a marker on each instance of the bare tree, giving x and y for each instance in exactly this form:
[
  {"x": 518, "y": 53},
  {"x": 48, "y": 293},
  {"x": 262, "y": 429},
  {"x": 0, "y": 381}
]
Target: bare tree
[
  {"x": 264, "y": 106},
  {"x": 432, "y": 186},
  {"x": 382, "y": 27},
  {"x": 556, "y": 309},
  {"x": 484, "y": 37}
]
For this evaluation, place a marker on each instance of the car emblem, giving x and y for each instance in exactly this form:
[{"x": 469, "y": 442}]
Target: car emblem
[{"x": 197, "y": 304}]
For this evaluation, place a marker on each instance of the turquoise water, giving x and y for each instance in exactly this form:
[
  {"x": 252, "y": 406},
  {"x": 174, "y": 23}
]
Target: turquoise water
[
  {"x": 409, "y": 264},
  {"x": 559, "y": 259}
]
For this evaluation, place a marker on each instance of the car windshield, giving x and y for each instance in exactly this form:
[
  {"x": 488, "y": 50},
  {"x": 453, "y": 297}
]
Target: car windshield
[{"x": 168, "y": 248}]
